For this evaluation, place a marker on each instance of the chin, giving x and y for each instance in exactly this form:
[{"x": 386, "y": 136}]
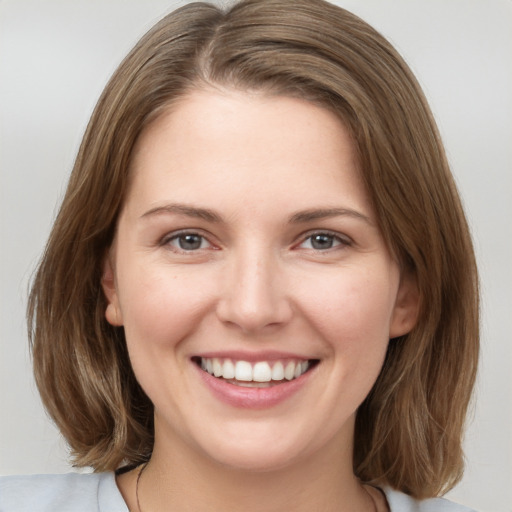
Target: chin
[
  {"x": 255, "y": 460},
  {"x": 264, "y": 450}
]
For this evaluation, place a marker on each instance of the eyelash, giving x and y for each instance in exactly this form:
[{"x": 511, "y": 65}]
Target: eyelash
[
  {"x": 180, "y": 236},
  {"x": 337, "y": 241},
  {"x": 335, "y": 238}
]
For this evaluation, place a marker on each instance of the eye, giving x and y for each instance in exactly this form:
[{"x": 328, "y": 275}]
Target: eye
[
  {"x": 188, "y": 242},
  {"x": 323, "y": 241}
]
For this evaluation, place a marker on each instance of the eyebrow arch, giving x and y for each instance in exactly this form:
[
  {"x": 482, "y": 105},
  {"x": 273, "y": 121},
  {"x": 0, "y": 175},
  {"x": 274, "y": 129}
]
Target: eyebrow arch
[
  {"x": 183, "y": 209},
  {"x": 325, "y": 213},
  {"x": 297, "y": 218}
]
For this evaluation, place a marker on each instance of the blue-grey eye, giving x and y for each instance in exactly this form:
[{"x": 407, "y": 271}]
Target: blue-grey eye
[
  {"x": 189, "y": 242},
  {"x": 321, "y": 241}
]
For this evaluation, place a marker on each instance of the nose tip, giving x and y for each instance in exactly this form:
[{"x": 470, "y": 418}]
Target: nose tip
[
  {"x": 255, "y": 299},
  {"x": 252, "y": 317}
]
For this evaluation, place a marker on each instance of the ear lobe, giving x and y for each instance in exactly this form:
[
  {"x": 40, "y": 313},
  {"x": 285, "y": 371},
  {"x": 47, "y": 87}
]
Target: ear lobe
[
  {"x": 108, "y": 283},
  {"x": 406, "y": 310}
]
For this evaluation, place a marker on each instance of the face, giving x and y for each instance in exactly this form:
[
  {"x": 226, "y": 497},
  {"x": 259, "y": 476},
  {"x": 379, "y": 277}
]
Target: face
[{"x": 256, "y": 292}]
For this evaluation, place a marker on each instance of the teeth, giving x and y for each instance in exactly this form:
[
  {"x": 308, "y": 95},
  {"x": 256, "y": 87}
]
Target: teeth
[
  {"x": 217, "y": 368},
  {"x": 262, "y": 371},
  {"x": 243, "y": 371},
  {"x": 228, "y": 369},
  {"x": 289, "y": 371},
  {"x": 278, "y": 371}
]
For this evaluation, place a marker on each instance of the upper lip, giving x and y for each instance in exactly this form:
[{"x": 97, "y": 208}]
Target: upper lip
[{"x": 252, "y": 357}]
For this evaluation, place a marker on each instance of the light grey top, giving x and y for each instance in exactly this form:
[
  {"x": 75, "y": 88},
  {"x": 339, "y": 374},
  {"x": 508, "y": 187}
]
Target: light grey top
[{"x": 74, "y": 492}]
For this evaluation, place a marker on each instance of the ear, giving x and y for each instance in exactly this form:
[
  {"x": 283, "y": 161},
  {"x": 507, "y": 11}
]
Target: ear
[
  {"x": 406, "y": 309},
  {"x": 108, "y": 283}
]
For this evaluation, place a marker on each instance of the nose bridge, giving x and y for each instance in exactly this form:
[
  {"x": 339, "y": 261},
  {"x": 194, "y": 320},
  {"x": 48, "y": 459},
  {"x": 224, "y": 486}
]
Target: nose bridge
[{"x": 254, "y": 296}]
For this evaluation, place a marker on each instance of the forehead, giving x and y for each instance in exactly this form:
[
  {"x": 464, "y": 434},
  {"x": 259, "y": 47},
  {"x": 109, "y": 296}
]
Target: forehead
[
  {"x": 209, "y": 115},
  {"x": 250, "y": 141}
]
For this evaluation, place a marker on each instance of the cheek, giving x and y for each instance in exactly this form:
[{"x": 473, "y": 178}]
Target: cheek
[
  {"x": 161, "y": 306},
  {"x": 352, "y": 316},
  {"x": 352, "y": 307}
]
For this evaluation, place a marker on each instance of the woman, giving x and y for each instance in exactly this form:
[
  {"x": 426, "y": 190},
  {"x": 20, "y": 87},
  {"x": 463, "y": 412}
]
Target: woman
[{"x": 260, "y": 281}]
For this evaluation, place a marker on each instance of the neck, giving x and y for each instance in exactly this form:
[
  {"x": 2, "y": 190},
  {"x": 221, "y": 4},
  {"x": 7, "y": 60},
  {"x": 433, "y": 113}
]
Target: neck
[{"x": 179, "y": 478}]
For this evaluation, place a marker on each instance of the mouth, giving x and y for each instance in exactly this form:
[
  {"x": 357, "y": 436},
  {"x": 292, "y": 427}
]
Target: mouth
[{"x": 258, "y": 374}]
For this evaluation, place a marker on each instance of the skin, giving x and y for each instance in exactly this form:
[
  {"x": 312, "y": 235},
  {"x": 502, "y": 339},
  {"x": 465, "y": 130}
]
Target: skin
[{"x": 257, "y": 282}]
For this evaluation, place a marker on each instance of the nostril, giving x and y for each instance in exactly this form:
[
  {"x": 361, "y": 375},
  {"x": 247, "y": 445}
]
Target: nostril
[{"x": 250, "y": 316}]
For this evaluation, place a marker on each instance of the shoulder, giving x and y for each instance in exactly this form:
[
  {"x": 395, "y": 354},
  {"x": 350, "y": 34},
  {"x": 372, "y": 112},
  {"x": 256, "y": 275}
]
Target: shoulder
[
  {"x": 72, "y": 492},
  {"x": 399, "y": 502}
]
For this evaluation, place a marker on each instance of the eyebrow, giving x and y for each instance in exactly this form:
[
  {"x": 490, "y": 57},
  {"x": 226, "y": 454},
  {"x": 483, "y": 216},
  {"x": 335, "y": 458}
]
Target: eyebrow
[
  {"x": 183, "y": 209},
  {"x": 297, "y": 218},
  {"x": 325, "y": 213}
]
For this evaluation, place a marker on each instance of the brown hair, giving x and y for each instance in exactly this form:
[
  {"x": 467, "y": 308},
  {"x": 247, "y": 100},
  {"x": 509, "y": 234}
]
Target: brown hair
[{"x": 409, "y": 429}]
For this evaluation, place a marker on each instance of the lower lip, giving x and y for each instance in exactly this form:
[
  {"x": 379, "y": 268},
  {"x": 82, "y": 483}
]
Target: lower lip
[{"x": 252, "y": 398}]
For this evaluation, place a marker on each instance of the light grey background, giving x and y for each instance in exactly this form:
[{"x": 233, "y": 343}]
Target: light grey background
[{"x": 55, "y": 57}]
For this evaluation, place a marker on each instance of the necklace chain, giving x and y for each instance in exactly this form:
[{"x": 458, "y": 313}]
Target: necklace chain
[
  {"x": 137, "y": 486},
  {"x": 374, "y": 502},
  {"x": 144, "y": 466}
]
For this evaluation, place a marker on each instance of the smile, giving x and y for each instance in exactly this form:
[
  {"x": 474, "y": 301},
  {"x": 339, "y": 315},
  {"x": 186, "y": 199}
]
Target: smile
[
  {"x": 257, "y": 384},
  {"x": 243, "y": 372}
]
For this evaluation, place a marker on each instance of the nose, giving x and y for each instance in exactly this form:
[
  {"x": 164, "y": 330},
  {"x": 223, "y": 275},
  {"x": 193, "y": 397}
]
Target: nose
[{"x": 254, "y": 294}]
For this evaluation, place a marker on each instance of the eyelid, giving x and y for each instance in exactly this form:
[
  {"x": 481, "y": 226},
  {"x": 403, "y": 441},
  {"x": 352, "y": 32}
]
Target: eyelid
[
  {"x": 344, "y": 240},
  {"x": 173, "y": 235}
]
